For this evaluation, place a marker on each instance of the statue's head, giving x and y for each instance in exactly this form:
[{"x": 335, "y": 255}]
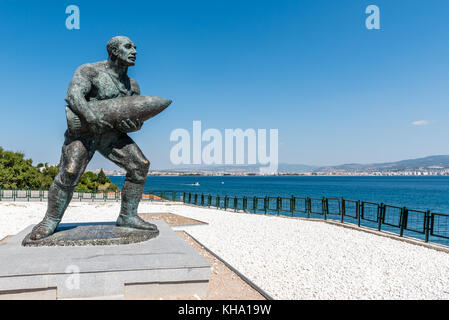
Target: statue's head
[{"x": 122, "y": 50}]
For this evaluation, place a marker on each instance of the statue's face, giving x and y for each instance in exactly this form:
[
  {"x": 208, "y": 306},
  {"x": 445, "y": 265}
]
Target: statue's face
[{"x": 126, "y": 52}]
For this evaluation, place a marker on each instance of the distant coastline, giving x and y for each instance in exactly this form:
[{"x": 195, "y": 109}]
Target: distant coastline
[
  {"x": 428, "y": 166},
  {"x": 281, "y": 174}
]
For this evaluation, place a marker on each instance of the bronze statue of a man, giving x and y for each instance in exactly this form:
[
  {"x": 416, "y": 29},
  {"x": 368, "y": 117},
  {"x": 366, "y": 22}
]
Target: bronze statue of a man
[{"x": 94, "y": 82}]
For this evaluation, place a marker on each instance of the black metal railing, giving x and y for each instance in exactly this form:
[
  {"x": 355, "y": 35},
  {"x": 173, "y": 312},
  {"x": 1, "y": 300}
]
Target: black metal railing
[{"x": 420, "y": 224}]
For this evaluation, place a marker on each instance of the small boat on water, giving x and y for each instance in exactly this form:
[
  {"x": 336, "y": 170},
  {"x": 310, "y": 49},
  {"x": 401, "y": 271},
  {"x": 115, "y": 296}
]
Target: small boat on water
[{"x": 196, "y": 184}]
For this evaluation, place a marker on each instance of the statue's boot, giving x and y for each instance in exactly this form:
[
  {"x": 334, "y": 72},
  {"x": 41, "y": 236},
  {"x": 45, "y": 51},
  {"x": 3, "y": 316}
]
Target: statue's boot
[
  {"x": 131, "y": 195},
  {"x": 58, "y": 200}
]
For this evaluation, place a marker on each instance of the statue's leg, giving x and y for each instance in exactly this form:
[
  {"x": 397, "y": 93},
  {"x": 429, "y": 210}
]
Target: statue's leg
[
  {"x": 123, "y": 151},
  {"x": 76, "y": 154}
]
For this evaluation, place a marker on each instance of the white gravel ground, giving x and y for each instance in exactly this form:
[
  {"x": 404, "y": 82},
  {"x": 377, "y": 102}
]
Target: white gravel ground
[{"x": 289, "y": 259}]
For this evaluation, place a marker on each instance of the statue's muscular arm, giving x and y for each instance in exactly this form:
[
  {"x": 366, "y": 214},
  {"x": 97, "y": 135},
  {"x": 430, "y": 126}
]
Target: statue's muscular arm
[{"x": 79, "y": 87}]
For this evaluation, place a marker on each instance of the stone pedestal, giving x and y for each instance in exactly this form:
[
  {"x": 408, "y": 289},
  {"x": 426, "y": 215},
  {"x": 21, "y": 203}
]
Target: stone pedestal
[{"x": 162, "y": 267}]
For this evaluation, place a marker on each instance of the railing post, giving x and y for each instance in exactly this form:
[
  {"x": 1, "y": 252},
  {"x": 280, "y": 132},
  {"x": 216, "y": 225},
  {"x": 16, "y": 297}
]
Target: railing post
[
  {"x": 363, "y": 210},
  {"x": 292, "y": 205},
  {"x": 226, "y": 203},
  {"x": 432, "y": 221},
  {"x": 324, "y": 205},
  {"x": 245, "y": 204},
  {"x": 380, "y": 214},
  {"x": 254, "y": 204},
  {"x": 209, "y": 201},
  {"x": 357, "y": 208},
  {"x": 236, "y": 201},
  {"x": 406, "y": 219},
  {"x": 265, "y": 204},
  {"x": 278, "y": 205},
  {"x": 308, "y": 206},
  {"x": 403, "y": 220},
  {"x": 342, "y": 209},
  {"x": 426, "y": 225},
  {"x": 184, "y": 196},
  {"x": 217, "y": 200}
]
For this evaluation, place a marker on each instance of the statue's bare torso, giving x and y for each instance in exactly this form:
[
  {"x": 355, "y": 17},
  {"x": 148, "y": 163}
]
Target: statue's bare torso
[{"x": 100, "y": 84}]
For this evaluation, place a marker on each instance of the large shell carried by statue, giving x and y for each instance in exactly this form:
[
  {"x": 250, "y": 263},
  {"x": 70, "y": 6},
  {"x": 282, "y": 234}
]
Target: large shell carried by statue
[{"x": 116, "y": 110}]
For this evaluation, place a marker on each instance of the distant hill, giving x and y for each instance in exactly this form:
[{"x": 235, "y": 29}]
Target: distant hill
[
  {"x": 436, "y": 163},
  {"x": 286, "y": 167},
  {"x": 283, "y": 167},
  {"x": 432, "y": 162}
]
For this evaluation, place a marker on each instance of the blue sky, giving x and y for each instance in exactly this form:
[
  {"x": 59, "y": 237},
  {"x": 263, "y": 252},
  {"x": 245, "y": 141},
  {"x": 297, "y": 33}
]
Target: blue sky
[{"x": 336, "y": 91}]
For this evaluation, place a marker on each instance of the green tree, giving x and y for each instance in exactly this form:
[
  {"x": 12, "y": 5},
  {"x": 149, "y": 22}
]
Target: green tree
[
  {"x": 48, "y": 174},
  {"x": 88, "y": 182},
  {"x": 91, "y": 182},
  {"x": 16, "y": 172},
  {"x": 102, "y": 178}
]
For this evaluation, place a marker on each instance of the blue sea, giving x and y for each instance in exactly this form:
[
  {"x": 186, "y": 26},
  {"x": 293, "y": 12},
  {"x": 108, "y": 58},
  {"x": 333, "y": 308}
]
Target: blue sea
[
  {"x": 415, "y": 193},
  {"x": 421, "y": 193}
]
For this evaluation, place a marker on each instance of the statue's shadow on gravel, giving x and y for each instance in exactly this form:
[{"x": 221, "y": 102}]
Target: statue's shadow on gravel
[{"x": 91, "y": 234}]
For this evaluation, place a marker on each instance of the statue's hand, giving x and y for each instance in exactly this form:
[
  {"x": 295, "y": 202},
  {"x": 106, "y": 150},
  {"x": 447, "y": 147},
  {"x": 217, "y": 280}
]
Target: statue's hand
[
  {"x": 129, "y": 125},
  {"x": 98, "y": 126}
]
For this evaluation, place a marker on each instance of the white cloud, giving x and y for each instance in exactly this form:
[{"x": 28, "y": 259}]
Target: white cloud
[{"x": 420, "y": 123}]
